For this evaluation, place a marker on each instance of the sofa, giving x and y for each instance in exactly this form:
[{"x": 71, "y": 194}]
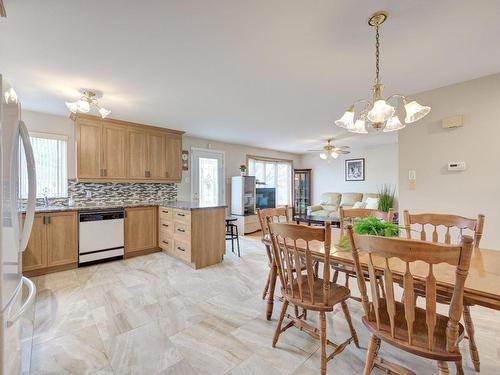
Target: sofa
[{"x": 331, "y": 202}]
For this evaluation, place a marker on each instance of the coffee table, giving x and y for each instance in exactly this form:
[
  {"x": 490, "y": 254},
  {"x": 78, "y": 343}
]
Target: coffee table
[{"x": 316, "y": 220}]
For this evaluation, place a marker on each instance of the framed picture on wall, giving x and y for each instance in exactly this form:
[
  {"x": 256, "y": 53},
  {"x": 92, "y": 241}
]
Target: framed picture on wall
[{"x": 355, "y": 169}]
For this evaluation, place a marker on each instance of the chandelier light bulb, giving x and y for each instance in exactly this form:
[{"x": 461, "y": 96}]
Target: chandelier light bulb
[
  {"x": 323, "y": 156},
  {"x": 72, "y": 106},
  {"x": 104, "y": 112},
  {"x": 380, "y": 112},
  {"x": 415, "y": 111},
  {"x": 347, "y": 120},
  {"x": 334, "y": 155},
  {"x": 393, "y": 124}
]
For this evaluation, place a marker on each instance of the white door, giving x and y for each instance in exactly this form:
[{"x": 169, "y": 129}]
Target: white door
[{"x": 207, "y": 176}]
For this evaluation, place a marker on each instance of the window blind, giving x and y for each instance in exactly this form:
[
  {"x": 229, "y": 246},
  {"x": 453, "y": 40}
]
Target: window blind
[{"x": 273, "y": 174}]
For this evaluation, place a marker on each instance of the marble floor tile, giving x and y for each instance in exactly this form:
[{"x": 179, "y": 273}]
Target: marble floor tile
[{"x": 81, "y": 352}]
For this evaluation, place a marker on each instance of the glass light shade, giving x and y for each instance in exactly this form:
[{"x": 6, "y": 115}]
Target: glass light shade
[
  {"x": 334, "y": 155},
  {"x": 72, "y": 106},
  {"x": 104, "y": 112},
  {"x": 83, "y": 106},
  {"x": 10, "y": 96},
  {"x": 393, "y": 124},
  {"x": 323, "y": 156},
  {"x": 359, "y": 127},
  {"x": 346, "y": 121},
  {"x": 380, "y": 112},
  {"x": 415, "y": 111}
]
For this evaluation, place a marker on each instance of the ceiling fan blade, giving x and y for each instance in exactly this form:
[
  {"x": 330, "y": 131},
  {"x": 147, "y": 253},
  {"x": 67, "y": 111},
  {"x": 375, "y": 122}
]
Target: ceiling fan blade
[
  {"x": 342, "y": 152},
  {"x": 314, "y": 150},
  {"x": 342, "y": 147}
]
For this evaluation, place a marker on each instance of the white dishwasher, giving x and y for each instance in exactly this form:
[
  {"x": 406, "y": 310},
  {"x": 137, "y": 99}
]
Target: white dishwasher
[{"x": 101, "y": 236}]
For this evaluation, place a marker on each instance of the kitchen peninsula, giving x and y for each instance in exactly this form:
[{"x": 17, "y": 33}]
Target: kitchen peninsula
[{"x": 193, "y": 233}]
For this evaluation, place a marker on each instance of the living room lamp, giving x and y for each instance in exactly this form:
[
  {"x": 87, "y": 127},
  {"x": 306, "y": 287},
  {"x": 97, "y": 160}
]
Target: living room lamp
[{"x": 378, "y": 113}]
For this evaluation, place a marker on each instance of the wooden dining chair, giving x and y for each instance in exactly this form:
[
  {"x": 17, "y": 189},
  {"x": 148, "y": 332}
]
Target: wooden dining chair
[
  {"x": 430, "y": 225},
  {"x": 350, "y": 216},
  {"x": 422, "y": 332},
  {"x": 307, "y": 290}
]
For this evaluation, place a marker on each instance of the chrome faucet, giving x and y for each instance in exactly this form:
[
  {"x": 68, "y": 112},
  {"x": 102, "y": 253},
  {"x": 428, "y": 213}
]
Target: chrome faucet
[{"x": 45, "y": 200}]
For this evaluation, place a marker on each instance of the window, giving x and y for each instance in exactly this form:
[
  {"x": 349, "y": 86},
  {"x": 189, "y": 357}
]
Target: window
[
  {"x": 276, "y": 174},
  {"x": 50, "y": 154}
]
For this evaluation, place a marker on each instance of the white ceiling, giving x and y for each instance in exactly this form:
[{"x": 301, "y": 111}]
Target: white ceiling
[{"x": 274, "y": 74}]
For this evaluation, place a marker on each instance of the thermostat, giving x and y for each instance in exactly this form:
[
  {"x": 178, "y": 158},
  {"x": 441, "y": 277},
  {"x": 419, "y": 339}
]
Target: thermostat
[{"x": 457, "y": 166}]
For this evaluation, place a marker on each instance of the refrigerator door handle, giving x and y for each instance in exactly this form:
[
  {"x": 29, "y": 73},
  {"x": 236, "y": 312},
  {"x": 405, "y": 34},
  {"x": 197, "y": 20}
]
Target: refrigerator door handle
[
  {"x": 30, "y": 208},
  {"x": 27, "y": 304}
]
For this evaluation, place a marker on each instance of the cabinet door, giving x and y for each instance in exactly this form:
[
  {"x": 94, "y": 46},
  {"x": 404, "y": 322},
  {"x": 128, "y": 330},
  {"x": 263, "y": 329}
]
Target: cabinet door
[
  {"x": 156, "y": 156},
  {"x": 89, "y": 136},
  {"x": 141, "y": 228},
  {"x": 173, "y": 147},
  {"x": 62, "y": 238},
  {"x": 114, "y": 141},
  {"x": 35, "y": 255},
  {"x": 137, "y": 154}
]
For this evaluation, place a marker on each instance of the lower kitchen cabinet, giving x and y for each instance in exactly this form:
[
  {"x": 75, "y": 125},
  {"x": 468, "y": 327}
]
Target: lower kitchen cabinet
[
  {"x": 141, "y": 231},
  {"x": 53, "y": 244}
]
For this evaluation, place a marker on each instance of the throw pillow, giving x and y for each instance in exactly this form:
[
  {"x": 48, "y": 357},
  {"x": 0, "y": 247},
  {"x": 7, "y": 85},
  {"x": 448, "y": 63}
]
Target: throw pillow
[
  {"x": 359, "y": 205},
  {"x": 372, "y": 203}
]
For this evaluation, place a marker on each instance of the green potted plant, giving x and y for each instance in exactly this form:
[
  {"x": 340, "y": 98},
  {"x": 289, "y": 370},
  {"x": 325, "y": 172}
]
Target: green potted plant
[
  {"x": 373, "y": 227},
  {"x": 386, "y": 197},
  {"x": 243, "y": 169}
]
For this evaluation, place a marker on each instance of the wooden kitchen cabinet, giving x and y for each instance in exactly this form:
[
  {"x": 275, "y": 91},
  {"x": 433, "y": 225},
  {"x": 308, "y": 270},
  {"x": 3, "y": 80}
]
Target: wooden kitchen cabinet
[
  {"x": 111, "y": 150},
  {"x": 137, "y": 154},
  {"x": 53, "y": 244},
  {"x": 35, "y": 255},
  {"x": 141, "y": 231},
  {"x": 89, "y": 135},
  {"x": 114, "y": 149}
]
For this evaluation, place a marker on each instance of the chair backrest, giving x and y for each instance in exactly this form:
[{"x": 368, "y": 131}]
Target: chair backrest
[
  {"x": 422, "y": 222},
  {"x": 291, "y": 251},
  {"x": 277, "y": 215},
  {"x": 383, "y": 251},
  {"x": 348, "y": 216}
]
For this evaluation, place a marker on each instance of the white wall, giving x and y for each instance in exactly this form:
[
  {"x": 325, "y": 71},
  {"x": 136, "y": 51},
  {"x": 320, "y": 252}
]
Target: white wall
[
  {"x": 46, "y": 123},
  {"x": 381, "y": 167},
  {"x": 235, "y": 156},
  {"x": 427, "y": 148}
]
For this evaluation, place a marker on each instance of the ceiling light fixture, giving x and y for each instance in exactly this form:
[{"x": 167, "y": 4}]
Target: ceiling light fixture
[
  {"x": 378, "y": 112},
  {"x": 86, "y": 102},
  {"x": 330, "y": 151}
]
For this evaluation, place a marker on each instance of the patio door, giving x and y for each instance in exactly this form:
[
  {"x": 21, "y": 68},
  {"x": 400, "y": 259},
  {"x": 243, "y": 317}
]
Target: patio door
[{"x": 207, "y": 176}]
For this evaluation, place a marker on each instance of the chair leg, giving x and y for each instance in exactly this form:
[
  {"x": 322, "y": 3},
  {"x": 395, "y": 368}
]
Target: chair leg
[
  {"x": 460, "y": 369},
  {"x": 322, "y": 335},
  {"x": 237, "y": 240},
  {"x": 280, "y": 321},
  {"x": 347, "y": 280},
  {"x": 469, "y": 327},
  {"x": 347, "y": 314},
  {"x": 270, "y": 294},
  {"x": 266, "y": 287},
  {"x": 371, "y": 354},
  {"x": 232, "y": 239},
  {"x": 296, "y": 310},
  {"x": 443, "y": 368},
  {"x": 316, "y": 269},
  {"x": 335, "y": 277}
]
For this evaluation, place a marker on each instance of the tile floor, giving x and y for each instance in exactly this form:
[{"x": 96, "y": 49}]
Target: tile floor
[{"x": 155, "y": 315}]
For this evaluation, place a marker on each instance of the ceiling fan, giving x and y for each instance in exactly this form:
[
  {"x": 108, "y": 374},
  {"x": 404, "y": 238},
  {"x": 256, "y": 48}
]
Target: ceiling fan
[{"x": 331, "y": 151}]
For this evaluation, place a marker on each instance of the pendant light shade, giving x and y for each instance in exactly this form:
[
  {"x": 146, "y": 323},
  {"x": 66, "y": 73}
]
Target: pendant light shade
[
  {"x": 359, "y": 126},
  {"x": 347, "y": 120},
  {"x": 380, "y": 112},
  {"x": 393, "y": 124},
  {"x": 323, "y": 156},
  {"x": 87, "y": 101},
  {"x": 334, "y": 155},
  {"x": 415, "y": 111}
]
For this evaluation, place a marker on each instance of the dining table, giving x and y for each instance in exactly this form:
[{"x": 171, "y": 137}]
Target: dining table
[{"x": 482, "y": 286}]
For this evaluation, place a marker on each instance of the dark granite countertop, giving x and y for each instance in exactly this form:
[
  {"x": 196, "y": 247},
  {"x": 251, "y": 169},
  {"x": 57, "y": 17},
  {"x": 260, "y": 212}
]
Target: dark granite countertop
[{"x": 182, "y": 205}]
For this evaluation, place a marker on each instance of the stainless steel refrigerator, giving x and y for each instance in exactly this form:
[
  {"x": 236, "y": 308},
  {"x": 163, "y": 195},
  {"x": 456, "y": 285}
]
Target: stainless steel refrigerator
[{"x": 17, "y": 292}]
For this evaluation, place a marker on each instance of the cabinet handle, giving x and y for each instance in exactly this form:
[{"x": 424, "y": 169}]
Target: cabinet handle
[
  {"x": 49, "y": 219},
  {"x": 165, "y": 225},
  {"x": 181, "y": 215},
  {"x": 165, "y": 212},
  {"x": 165, "y": 242},
  {"x": 105, "y": 172},
  {"x": 181, "y": 230},
  {"x": 101, "y": 173},
  {"x": 44, "y": 220},
  {"x": 180, "y": 248}
]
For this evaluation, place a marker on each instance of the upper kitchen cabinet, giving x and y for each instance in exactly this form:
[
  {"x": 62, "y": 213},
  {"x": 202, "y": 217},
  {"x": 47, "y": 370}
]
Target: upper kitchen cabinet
[{"x": 114, "y": 150}]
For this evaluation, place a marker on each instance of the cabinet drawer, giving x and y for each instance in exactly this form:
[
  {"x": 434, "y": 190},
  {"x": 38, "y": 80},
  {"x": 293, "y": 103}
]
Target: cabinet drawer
[
  {"x": 183, "y": 216},
  {"x": 166, "y": 226},
  {"x": 182, "y": 229},
  {"x": 165, "y": 213},
  {"x": 166, "y": 242},
  {"x": 182, "y": 250}
]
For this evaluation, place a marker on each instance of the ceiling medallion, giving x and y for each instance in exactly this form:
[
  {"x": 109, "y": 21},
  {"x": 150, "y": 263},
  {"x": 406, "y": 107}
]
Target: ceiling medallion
[
  {"x": 379, "y": 113},
  {"x": 87, "y": 101}
]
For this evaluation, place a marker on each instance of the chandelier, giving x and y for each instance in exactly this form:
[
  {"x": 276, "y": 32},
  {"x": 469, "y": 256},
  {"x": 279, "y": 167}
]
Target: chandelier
[
  {"x": 379, "y": 113},
  {"x": 86, "y": 102}
]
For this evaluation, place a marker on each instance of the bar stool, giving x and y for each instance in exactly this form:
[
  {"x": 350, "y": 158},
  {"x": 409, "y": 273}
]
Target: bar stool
[{"x": 232, "y": 232}]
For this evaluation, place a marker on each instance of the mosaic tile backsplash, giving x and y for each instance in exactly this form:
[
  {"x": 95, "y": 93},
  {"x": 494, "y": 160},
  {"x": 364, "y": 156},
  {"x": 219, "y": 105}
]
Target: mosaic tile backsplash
[{"x": 111, "y": 193}]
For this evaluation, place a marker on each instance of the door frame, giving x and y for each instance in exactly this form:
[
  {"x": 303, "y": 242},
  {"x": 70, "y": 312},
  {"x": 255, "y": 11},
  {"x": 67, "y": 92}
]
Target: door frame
[{"x": 209, "y": 150}]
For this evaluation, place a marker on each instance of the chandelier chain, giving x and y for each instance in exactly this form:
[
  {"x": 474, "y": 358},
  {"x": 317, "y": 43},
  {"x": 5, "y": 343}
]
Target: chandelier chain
[{"x": 377, "y": 56}]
